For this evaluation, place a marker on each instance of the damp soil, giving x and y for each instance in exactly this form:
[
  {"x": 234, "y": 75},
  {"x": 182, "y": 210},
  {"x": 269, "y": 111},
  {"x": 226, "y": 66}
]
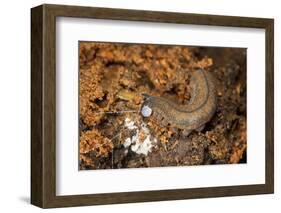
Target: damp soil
[{"x": 112, "y": 79}]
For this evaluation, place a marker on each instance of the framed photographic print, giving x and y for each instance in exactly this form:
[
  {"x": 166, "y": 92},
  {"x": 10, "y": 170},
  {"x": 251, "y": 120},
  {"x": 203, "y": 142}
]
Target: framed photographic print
[{"x": 136, "y": 106}]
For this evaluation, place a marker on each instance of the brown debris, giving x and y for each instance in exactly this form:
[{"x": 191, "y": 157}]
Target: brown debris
[
  {"x": 93, "y": 141},
  {"x": 113, "y": 78}
]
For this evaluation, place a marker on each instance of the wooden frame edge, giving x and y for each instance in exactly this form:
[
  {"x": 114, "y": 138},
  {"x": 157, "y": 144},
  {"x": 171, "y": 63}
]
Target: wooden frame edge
[
  {"x": 36, "y": 106},
  {"x": 269, "y": 118}
]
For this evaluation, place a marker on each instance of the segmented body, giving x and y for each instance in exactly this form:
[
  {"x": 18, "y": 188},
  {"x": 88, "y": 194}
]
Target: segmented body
[{"x": 195, "y": 114}]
